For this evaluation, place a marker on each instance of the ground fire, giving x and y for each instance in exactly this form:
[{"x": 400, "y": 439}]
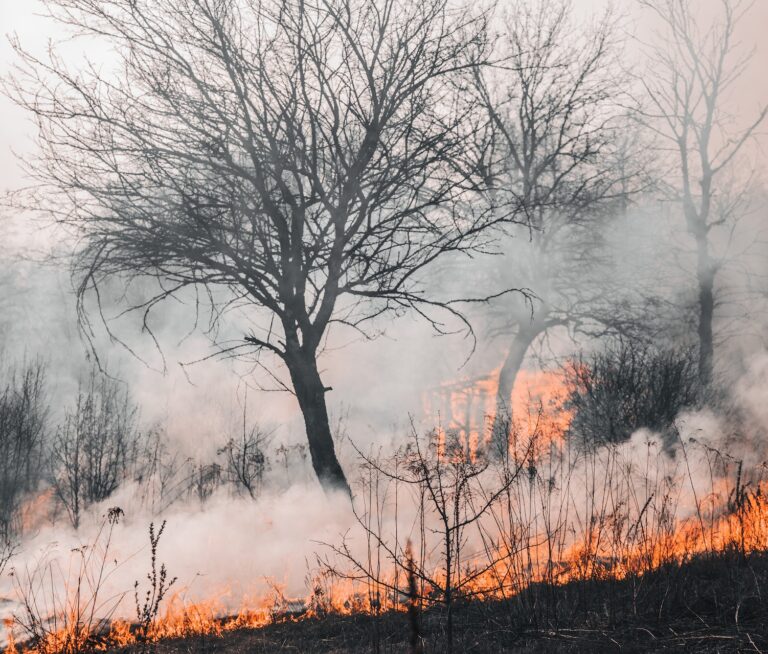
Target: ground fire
[{"x": 646, "y": 508}]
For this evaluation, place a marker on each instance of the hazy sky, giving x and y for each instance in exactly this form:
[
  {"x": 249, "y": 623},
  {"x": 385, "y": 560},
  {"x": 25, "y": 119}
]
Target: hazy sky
[{"x": 19, "y": 16}]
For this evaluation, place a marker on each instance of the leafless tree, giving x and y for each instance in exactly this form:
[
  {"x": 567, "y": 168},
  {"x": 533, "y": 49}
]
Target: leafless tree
[
  {"x": 627, "y": 386},
  {"x": 246, "y": 460},
  {"x": 203, "y": 479},
  {"x": 95, "y": 447},
  {"x": 690, "y": 74},
  {"x": 307, "y": 160},
  {"x": 161, "y": 473},
  {"x": 453, "y": 488},
  {"x": 23, "y": 430},
  {"x": 12, "y": 306},
  {"x": 563, "y": 164},
  {"x": 7, "y": 550}
]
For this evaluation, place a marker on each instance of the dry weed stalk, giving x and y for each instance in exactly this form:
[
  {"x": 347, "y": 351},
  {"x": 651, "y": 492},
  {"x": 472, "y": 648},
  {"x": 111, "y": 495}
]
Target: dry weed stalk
[{"x": 148, "y": 609}]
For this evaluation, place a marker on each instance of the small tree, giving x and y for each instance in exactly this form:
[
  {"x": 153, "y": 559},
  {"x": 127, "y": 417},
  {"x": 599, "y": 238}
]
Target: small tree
[
  {"x": 203, "y": 479},
  {"x": 309, "y": 159},
  {"x": 453, "y": 489},
  {"x": 246, "y": 461},
  {"x": 23, "y": 426},
  {"x": 95, "y": 447}
]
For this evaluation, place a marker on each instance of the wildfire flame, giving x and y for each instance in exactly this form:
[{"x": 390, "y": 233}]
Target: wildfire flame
[
  {"x": 615, "y": 540},
  {"x": 466, "y": 407}
]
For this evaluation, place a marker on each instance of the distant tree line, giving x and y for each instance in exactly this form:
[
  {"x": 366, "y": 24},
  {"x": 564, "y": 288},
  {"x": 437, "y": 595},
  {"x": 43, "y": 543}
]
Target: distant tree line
[{"x": 80, "y": 456}]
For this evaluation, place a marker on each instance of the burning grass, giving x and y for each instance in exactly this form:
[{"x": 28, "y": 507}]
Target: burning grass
[
  {"x": 552, "y": 545},
  {"x": 707, "y": 604},
  {"x": 556, "y": 550}
]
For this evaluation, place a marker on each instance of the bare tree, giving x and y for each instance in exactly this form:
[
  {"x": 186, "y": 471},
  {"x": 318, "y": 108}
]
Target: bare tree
[
  {"x": 690, "y": 74},
  {"x": 453, "y": 488},
  {"x": 96, "y": 445},
  {"x": 159, "y": 471},
  {"x": 246, "y": 460},
  {"x": 23, "y": 431},
  {"x": 203, "y": 479},
  {"x": 308, "y": 159},
  {"x": 7, "y": 550},
  {"x": 563, "y": 165}
]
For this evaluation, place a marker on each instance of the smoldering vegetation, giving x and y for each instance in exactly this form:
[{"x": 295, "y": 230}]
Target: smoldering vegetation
[
  {"x": 654, "y": 540},
  {"x": 551, "y": 224}
]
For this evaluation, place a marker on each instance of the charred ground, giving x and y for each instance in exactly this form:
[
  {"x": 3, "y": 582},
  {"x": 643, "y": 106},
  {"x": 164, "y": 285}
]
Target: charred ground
[{"x": 707, "y": 604}]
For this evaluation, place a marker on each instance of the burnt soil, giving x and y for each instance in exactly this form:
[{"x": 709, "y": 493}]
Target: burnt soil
[{"x": 709, "y": 604}]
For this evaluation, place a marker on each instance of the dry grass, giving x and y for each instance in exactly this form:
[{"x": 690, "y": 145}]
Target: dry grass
[{"x": 709, "y": 604}]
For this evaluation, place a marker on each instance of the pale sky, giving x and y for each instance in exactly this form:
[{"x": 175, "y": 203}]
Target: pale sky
[
  {"x": 15, "y": 16},
  {"x": 19, "y": 16}
]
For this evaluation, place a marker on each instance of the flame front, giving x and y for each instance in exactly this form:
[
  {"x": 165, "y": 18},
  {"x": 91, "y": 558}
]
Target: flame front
[{"x": 601, "y": 513}]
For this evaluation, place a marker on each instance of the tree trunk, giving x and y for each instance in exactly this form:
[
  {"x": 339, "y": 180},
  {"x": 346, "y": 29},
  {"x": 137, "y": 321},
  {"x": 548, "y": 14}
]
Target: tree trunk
[
  {"x": 448, "y": 588},
  {"x": 502, "y": 420},
  {"x": 310, "y": 393},
  {"x": 705, "y": 273}
]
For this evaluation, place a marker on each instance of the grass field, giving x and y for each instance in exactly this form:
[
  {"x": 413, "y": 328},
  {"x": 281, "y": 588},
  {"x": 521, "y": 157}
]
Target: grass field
[{"x": 708, "y": 604}]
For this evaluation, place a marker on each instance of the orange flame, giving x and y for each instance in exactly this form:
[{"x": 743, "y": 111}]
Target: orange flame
[
  {"x": 467, "y": 407},
  {"x": 612, "y": 541}
]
